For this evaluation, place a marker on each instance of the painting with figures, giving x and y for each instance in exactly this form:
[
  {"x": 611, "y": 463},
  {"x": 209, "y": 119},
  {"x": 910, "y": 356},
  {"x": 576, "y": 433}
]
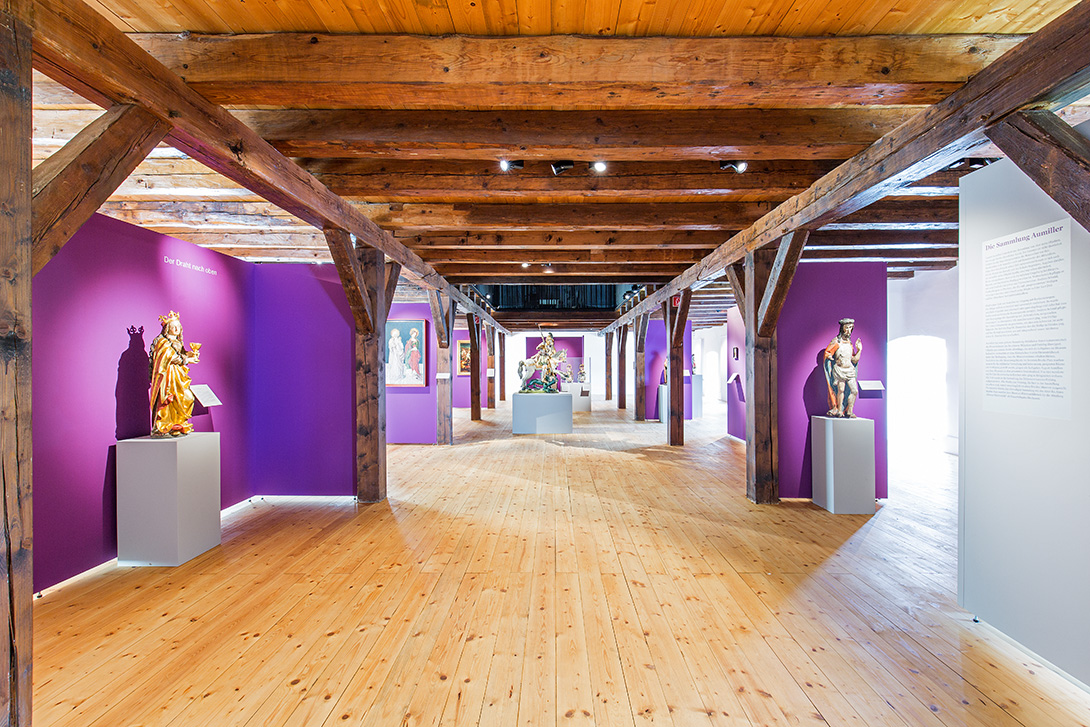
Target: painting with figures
[
  {"x": 406, "y": 359},
  {"x": 463, "y": 358}
]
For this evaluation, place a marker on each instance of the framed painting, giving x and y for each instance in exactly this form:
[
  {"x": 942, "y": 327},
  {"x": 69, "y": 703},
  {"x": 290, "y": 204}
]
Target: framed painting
[
  {"x": 406, "y": 353},
  {"x": 463, "y": 358}
]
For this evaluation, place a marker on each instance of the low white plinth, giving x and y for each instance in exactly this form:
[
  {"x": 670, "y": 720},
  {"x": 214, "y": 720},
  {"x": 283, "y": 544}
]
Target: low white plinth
[
  {"x": 168, "y": 498},
  {"x": 537, "y": 413},
  {"x": 843, "y": 464},
  {"x": 697, "y": 382},
  {"x": 580, "y": 395}
]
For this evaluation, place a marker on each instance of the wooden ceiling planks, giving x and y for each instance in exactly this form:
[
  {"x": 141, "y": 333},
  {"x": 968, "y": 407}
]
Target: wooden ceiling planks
[{"x": 707, "y": 18}]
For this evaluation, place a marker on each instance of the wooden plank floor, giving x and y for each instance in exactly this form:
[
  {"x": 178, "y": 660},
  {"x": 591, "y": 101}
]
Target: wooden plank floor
[{"x": 597, "y": 578}]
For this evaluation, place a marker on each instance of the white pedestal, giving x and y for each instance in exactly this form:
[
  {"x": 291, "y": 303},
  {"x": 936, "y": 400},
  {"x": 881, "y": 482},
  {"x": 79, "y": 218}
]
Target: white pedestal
[
  {"x": 580, "y": 395},
  {"x": 698, "y": 395},
  {"x": 536, "y": 413},
  {"x": 664, "y": 401},
  {"x": 843, "y": 464},
  {"x": 168, "y": 498}
]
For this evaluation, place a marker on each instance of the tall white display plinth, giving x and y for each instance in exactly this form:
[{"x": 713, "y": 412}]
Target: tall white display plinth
[
  {"x": 843, "y": 464},
  {"x": 537, "y": 413},
  {"x": 168, "y": 498},
  {"x": 698, "y": 395}
]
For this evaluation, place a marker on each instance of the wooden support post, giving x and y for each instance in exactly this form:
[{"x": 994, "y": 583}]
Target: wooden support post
[
  {"x": 641, "y": 366},
  {"x": 675, "y": 383},
  {"x": 1054, "y": 155},
  {"x": 490, "y": 366},
  {"x": 609, "y": 366},
  {"x": 622, "y": 368},
  {"x": 74, "y": 182},
  {"x": 371, "y": 380},
  {"x": 502, "y": 367},
  {"x": 474, "y": 366},
  {"x": 762, "y": 483},
  {"x": 15, "y": 432},
  {"x": 443, "y": 311}
]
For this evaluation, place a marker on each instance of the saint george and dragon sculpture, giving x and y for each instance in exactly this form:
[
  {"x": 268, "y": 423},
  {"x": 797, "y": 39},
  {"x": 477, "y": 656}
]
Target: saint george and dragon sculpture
[
  {"x": 547, "y": 360},
  {"x": 171, "y": 398}
]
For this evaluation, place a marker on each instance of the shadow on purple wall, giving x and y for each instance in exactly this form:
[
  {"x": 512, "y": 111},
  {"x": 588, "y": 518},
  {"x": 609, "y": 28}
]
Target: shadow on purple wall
[
  {"x": 133, "y": 417},
  {"x": 815, "y": 400},
  {"x": 109, "y": 498}
]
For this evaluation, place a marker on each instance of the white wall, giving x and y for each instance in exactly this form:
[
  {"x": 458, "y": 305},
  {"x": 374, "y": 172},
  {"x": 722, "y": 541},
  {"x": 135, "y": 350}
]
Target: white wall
[
  {"x": 922, "y": 360},
  {"x": 1025, "y": 488},
  {"x": 711, "y": 362}
]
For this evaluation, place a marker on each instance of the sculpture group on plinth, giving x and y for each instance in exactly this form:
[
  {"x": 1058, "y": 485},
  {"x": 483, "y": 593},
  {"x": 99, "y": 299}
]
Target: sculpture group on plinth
[
  {"x": 171, "y": 398},
  {"x": 548, "y": 361},
  {"x": 841, "y": 361}
]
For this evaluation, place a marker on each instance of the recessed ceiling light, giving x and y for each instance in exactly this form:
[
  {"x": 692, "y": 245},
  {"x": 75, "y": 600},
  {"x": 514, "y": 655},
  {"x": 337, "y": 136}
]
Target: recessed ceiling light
[{"x": 598, "y": 167}]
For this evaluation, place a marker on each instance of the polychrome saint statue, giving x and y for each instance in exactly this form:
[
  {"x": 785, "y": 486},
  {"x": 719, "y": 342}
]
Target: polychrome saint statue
[
  {"x": 840, "y": 364},
  {"x": 171, "y": 397}
]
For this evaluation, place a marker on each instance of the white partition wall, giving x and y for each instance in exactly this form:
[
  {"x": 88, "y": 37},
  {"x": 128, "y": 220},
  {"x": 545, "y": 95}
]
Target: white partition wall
[{"x": 1024, "y": 537}]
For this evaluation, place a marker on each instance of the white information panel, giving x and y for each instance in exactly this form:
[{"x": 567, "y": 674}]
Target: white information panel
[{"x": 1027, "y": 322}]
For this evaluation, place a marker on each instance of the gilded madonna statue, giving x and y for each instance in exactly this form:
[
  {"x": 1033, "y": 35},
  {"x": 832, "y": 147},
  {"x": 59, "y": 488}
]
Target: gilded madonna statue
[{"x": 171, "y": 397}]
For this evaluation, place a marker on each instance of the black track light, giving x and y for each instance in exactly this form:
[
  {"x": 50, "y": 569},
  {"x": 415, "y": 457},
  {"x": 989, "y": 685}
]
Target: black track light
[{"x": 562, "y": 166}]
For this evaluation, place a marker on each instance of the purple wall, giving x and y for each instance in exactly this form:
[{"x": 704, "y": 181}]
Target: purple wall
[
  {"x": 736, "y": 392},
  {"x": 412, "y": 411},
  {"x": 821, "y": 294},
  {"x": 460, "y": 385},
  {"x": 90, "y": 377},
  {"x": 302, "y": 386},
  {"x": 656, "y": 355}
]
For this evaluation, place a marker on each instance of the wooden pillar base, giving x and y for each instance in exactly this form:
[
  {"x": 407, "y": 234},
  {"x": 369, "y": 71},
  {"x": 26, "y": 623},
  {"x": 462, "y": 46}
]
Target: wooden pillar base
[{"x": 762, "y": 482}]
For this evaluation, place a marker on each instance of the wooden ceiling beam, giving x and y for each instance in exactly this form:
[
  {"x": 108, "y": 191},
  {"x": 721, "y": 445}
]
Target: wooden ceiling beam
[
  {"x": 616, "y": 273},
  {"x": 470, "y": 182},
  {"x": 376, "y": 71},
  {"x": 611, "y": 135},
  {"x": 537, "y": 257},
  {"x": 1048, "y": 70},
  {"x": 581, "y": 240}
]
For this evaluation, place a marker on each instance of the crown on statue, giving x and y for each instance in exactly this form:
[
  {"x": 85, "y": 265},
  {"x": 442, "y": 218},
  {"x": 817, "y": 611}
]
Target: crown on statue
[{"x": 163, "y": 320}]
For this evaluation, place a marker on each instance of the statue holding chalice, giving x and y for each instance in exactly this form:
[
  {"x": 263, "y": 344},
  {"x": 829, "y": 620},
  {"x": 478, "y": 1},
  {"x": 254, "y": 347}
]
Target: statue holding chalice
[{"x": 171, "y": 398}]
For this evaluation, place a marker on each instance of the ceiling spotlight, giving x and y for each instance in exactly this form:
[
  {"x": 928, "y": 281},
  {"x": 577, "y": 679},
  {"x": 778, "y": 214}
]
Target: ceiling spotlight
[
  {"x": 506, "y": 166},
  {"x": 562, "y": 166},
  {"x": 526, "y": 265},
  {"x": 488, "y": 295},
  {"x": 738, "y": 167},
  {"x": 599, "y": 167},
  {"x": 548, "y": 267}
]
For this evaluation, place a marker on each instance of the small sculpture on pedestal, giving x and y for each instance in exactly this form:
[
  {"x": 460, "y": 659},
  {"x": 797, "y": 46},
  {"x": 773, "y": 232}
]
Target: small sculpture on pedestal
[
  {"x": 840, "y": 365},
  {"x": 582, "y": 374},
  {"x": 171, "y": 398}
]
